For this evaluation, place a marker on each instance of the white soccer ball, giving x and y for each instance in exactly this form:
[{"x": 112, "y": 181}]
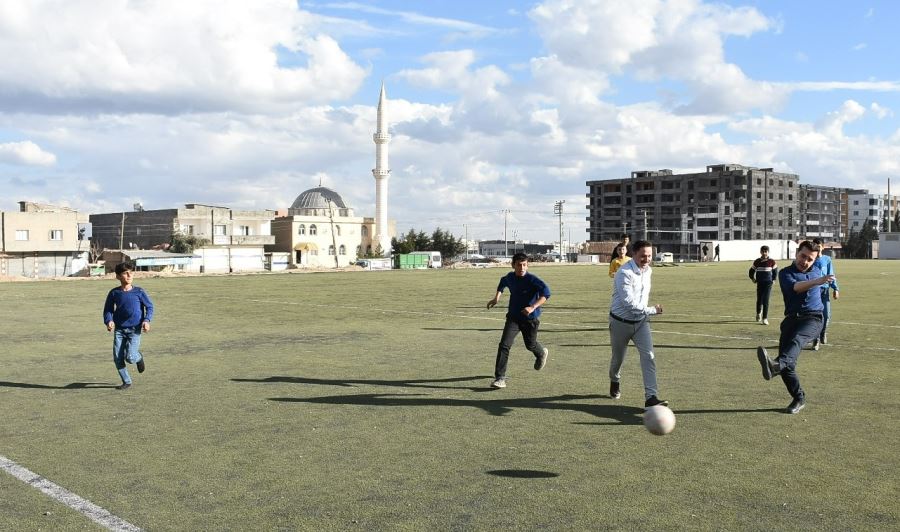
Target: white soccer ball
[{"x": 659, "y": 420}]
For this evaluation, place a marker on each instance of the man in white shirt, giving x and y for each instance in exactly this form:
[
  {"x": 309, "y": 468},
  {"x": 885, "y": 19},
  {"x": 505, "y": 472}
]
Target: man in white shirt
[{"x": 629, "y": 321}]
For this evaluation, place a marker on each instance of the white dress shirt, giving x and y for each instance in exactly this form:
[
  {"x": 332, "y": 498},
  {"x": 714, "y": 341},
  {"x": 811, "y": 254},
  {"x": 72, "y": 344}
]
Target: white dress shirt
[{"x": 631, "y": 292}]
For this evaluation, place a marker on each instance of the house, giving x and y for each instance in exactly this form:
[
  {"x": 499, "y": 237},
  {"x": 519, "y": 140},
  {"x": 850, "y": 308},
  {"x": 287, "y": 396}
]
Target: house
[{"x": 42, "y": 241}]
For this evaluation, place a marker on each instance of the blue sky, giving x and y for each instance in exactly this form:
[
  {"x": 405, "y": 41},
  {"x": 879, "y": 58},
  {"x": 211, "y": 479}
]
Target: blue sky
[{"x": 498, "y": 109}]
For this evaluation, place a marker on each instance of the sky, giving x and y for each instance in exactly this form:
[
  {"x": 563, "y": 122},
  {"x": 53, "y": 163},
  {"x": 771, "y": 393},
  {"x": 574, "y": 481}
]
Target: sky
[{"x": 497, "y": 109}]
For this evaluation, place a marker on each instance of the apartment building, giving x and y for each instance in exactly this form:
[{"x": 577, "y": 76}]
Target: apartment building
[
  {"x": 864, "y": 208},
  {"x": 42, "y": 240},
  {"x": 678, "y": 211},
  {"x": 823, "y": 213}
]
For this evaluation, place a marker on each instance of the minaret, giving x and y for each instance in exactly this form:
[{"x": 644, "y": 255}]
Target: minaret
[{"x": 381, "y": 172}]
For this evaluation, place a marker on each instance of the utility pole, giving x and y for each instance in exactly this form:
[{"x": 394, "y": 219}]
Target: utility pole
[
  {"x": 558, "y": 210},
  {"x": 505, "y": 241},
  {"x": 466, "y": 230}
]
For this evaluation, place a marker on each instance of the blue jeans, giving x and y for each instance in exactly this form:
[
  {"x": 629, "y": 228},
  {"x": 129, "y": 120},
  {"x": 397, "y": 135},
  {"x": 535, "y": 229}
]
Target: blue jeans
[
  {"x": 796, "y": 332},
  {"x": 763, "y": 291},
  {"x": 511, "y": 328},
  {"x": 126, "y": 348},
  {"x": 826, "y": 313}
]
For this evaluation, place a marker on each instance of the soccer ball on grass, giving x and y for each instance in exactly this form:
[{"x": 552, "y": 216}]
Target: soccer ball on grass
[{"x": 659, "y": 420}]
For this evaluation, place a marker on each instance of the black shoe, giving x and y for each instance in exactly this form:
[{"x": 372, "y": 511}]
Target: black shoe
[
  {"x": 653, "y": 401},
  {"x": 796, "y": 406},
  {"x": 769, "y": 367},
  {"x": 123, "y": 386},
  {"x": 140, "y": 365},
  {"x": 541, "y": 361},
  {"x": 614, "y": 390}
]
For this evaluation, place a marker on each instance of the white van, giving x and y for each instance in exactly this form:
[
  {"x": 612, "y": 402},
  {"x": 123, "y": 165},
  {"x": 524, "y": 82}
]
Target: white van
[{"x": 434, "y": 258}]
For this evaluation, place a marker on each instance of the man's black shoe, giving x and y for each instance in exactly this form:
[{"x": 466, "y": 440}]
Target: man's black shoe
[
  {"x": 123, "y": 386},
  {"x": 769, "y": 367},
  {"x": 653, "y": 401},
  {"x": 796, "y": 406},
  {"x": 140, "y": 365},
  {"x": 614, "y": 390}
]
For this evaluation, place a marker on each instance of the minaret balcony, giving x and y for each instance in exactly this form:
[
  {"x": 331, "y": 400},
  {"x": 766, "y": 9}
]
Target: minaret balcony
[{"x": 381, "y": 138}]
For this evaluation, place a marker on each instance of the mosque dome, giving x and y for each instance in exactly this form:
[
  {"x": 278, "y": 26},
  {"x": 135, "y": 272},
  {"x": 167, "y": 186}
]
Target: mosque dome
[{"x": 318, "y": 198}]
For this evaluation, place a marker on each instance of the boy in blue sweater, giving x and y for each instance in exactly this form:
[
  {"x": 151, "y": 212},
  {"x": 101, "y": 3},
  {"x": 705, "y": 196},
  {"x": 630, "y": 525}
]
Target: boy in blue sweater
[
  {"x": 526, "y": 295},
  {"x": 128, "y": 311}
]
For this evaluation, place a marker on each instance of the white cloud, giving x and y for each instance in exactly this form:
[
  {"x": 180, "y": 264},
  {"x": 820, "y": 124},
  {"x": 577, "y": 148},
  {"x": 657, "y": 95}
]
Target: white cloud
[
  {"x": 25, "y": 153},
  {"x": 167, "y": 56},
  {"x": 880, "y": 111},
  {"x": 833, "y": 122},
  {"x": 860, "y": 46}
]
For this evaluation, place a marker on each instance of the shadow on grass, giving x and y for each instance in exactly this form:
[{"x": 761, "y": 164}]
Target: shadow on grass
[
  {"x": 620, "y": 415},
  {"x": 706, "y": 322},
  {"x": 522, "y": 473},
  {"x": 70, "y": 386},
  {"x": 729, "y": 411},
  {"x": 352, "y": 383},
  {"x": 499, "y": 329}
]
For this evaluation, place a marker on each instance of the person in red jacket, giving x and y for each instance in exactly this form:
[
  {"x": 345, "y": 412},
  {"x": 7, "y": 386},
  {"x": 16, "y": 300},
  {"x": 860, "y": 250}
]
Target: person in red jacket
[{"x": 763, "y": 272}]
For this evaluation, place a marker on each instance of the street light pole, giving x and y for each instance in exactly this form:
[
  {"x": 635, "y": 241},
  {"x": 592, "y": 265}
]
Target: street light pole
[{"x": 558, "y": 210}]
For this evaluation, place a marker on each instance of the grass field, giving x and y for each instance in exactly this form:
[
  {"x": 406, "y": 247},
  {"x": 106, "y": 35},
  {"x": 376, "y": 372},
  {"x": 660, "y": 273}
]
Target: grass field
[{"x": 359, "y": 401}]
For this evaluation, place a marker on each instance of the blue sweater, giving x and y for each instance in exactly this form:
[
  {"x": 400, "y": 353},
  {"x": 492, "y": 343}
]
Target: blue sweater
[
  {"x": 127, "y": 309},
  {"x": 523, "y": 292}
]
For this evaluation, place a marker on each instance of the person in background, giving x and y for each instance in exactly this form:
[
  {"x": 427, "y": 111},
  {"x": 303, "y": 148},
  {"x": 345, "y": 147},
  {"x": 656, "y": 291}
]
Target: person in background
[
  {"x": 763, "y": 272},
  {"x": 127, "y": 312},
  {"x": 619, "y": 258},
  {"x": 825, "y": 264}
]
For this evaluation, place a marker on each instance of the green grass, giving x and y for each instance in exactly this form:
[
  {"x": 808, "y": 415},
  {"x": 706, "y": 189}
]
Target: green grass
[{"x": 359, "y": 401}]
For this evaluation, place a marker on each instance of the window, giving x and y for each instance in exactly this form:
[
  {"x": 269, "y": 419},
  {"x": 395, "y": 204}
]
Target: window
[
  {"x": 331, "y": 250},
  {"x": 759, "y": 195},
  {"x": 790, "y": 197},
  {"x": 56, "y": 234},
  {"x": 781, "y": 196},
  {"x": 187, "y": 229},
  {"x": 771, "y": 209},
  {"x": 301, "y": 229},
  {"x": 219, "y": 230},
  {"x": 365, "y": 231},
  {"x": 342, "y": 250},
  {"x": 312, "y": 229},
  {"x": 759, "y": 208},
  {"x": 21, "y": 234},
  {"x": 137, "y": 231},
  {"x": 758, "y": 222},
  {"x": 244, "y": 230},
  {"x": 855, "y": 213},
  {"x": 771, "y": 195},
  {"x": 337, "y": 231},
  {"x": 780, "y": 210}
]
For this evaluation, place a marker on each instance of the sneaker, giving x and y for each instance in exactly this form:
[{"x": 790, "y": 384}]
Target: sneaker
[
  {"x": 541, "y": 361},
  {"x": 653, "y": 401},
  {"x": 765, "y": 321},
  {"x": 123, "y": 386},
  {"x": 816, "y": 344},
  {"x": 769, "y": 367},
  {"x": 614, "y": 390},
  {"x": 140, "y": 365},
  {"x": 499, "y": 383},
  {"x": 796, "y": 406},
  {"x": 824, "y": 338},
  {"x": 759, "y": 318}
]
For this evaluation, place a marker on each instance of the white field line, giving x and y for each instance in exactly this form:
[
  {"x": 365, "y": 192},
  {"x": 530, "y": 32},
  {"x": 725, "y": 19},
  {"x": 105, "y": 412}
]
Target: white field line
[{"x": 58, "y": 493}]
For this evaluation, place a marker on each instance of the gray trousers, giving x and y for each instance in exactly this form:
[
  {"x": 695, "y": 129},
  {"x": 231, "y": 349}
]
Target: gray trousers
[{"x": 619, "y": 335}]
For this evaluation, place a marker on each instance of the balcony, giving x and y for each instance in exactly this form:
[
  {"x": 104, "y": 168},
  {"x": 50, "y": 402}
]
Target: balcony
[{"x": 243, "y": 240}]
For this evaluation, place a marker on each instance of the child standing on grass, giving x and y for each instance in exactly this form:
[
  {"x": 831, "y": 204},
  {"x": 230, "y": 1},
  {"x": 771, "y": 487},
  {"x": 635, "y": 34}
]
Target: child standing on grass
[
  {"x": 526, "y": 295},
  {"x": 128, "y": 311}
]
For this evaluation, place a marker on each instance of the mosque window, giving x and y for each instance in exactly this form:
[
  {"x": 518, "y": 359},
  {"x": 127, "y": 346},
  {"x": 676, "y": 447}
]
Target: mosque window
[
  {"x": 365, "y": 231},
  {"x": 342, "y": 250},
  {"x": 337, "y": 231},
  {"x": 312, "y": 229},
  {"x": 331, "y": 250},
  {"x": 301, "y": 229}
]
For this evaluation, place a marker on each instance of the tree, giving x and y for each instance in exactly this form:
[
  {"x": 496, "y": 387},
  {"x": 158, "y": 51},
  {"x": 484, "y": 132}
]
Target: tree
[
  {"x": 861, "y": 242},
  {"x": 446, "y": 243},
  {"x": 182, "y": 243},
  {"x": 440, "y": 240}
]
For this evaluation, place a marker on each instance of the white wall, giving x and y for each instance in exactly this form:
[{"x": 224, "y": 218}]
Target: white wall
[
  {"x": 749, "y": 249},
  {"x": 889, "y": 246}
]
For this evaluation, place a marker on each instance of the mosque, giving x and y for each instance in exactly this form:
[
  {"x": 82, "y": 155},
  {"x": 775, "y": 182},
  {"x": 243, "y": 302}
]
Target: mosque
[{"x": 320, "y": 230}]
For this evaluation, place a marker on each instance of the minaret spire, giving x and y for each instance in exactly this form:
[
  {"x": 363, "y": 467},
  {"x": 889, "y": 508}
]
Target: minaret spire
[{"x": 381, "y": 172}]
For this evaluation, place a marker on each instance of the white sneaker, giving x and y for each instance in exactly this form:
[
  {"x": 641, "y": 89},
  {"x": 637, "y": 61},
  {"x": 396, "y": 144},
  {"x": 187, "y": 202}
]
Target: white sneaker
[
  {"x": 816, "y": 344},
  {"x": 759, "y": 318},
  {"x": 765, "y": 321},
  {"x": 499, "y": 383}
]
